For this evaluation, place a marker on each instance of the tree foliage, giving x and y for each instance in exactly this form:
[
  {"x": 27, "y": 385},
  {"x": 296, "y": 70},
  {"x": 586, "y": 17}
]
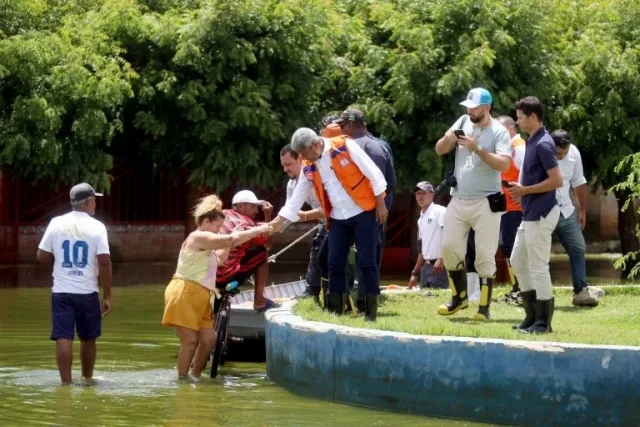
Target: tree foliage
[
  {"x": 216, "y": 87},
  {"x": 630, "y": 261}
]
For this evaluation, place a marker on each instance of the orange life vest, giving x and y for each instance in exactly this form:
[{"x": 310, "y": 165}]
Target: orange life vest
[
  {"x": 332, "y": 130},
  {"x": 353, "y": 181},
  {"x": 511, "y": 175}
]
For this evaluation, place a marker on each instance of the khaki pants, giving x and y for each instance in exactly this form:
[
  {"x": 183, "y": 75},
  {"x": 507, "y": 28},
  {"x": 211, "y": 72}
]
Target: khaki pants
[
  {"x": 531, "y": 254},
  {"x": 461, "y": 215}
]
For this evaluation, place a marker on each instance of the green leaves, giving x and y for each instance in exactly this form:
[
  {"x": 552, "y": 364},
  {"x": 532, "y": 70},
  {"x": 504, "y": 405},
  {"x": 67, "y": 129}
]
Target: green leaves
[{"x": 216, "y": 87}]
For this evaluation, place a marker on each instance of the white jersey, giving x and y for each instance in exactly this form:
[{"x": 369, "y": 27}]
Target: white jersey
[{"x": 75, "y": 240}]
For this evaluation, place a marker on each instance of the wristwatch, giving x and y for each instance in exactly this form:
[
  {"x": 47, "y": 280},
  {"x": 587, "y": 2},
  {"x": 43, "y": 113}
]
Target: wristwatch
[{"x": 478, "y": 149}]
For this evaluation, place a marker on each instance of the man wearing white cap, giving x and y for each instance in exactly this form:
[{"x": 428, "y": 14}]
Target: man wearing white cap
[
  {"x": 249, "y": 258},
  {"x": 482, "y": 152},
  {"x": 75, "y": 245}
]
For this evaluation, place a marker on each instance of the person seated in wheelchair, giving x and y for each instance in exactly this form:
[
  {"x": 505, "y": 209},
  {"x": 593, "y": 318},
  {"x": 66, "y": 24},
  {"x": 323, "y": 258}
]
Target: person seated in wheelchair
[
  {"x": 250, "y": 258},
  {"x": 187, "y": 297}
]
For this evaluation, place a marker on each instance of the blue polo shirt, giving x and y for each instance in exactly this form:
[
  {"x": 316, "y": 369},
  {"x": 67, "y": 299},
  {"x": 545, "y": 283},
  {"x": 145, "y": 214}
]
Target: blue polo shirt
[
  {"x": 381, "y": 156},
  {"x": 539, "y": 157}
]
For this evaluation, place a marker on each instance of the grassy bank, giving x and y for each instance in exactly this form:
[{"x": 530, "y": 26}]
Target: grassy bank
[{"x": 615, "y": 321}]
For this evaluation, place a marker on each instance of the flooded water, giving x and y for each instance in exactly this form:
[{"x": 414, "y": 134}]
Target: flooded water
[
  {"x": 599, "y": 268},
  {"x": 135, "y": 376},
  {"x": 135, "y": 370}
]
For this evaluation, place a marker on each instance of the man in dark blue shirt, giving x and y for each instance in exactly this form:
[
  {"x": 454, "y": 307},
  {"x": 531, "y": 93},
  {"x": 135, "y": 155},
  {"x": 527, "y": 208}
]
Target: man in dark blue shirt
[
  {"x": 540, "y": 175},
  {"x": 352, "y": 123}
]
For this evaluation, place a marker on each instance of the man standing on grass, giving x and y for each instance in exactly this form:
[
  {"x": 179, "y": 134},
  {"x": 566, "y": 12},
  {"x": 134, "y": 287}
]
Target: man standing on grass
[
  {"x": 76, "y": 245},
  {"x": 429, "y": 268},
  {"x": 540, "y": 176},
  {"x": 572, "y": 221},
  {"x": 512, "y": 218},
  {"x": 352, "y": 123},
  {"x": 350, "y": 190},
  {"x": 292, "y": 165},
  {"x": 482, "y": 151}
]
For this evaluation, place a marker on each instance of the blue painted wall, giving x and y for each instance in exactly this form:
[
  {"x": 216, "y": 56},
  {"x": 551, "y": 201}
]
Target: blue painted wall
[{"x": 509, "y": 382}]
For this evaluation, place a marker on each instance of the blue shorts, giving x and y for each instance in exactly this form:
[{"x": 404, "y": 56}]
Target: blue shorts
[{"x": 75, "y": 312}]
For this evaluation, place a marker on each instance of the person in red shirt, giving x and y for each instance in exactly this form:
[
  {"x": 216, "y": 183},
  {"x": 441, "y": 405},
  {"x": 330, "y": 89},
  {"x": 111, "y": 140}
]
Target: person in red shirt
[
  {"x": 511, "y": 219},
  {"x": 249, "y": 258}
]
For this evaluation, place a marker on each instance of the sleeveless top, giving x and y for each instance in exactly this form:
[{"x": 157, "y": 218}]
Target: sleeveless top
[{"x": 199, "y": 267}]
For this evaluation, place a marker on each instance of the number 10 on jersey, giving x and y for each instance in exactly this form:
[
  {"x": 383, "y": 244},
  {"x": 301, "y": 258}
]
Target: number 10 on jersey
[{"x": 79, "y": 252}]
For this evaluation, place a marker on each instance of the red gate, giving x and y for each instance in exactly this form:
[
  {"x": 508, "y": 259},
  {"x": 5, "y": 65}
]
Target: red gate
[{"x": 9, "y": 229}]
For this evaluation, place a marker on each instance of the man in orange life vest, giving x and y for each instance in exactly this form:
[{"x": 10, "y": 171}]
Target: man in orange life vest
[
  {"x": 350, "y": 189},
  {"x": 511, "y": 219}
]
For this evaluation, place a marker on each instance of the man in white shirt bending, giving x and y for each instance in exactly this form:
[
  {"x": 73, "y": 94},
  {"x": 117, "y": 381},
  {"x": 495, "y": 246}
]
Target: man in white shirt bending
[
  {"x": 350, "y": 190},
  {"x": 429, "y": 267},
  {"x": 76, "y": 245},
  {"x": 572, "y": 221}
]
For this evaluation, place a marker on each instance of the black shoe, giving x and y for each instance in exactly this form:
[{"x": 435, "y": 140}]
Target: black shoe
[
  {"x": 486, "y": 288},
  {"x": 335, "y": 303},
  {"x": 459, "y": 298},
  {"x": 529, "y": 304},
  {"x": 371, "y": 308},
  {"x": 544, "y": 314}
]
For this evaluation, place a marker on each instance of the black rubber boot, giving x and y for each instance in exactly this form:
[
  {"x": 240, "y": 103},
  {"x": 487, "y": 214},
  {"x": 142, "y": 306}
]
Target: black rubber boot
[
  {"x": 486, "y": 289},
  {"x": 335, "y": 303},
  {"x": 544, "y": 315},
  {"x": 371, "y": 308},
  {"x": 459, "y": 298},
  {"x": 324, "y": 286},
  {"x": 529, "y": 304},
  {"x": 361, "y": 305}
]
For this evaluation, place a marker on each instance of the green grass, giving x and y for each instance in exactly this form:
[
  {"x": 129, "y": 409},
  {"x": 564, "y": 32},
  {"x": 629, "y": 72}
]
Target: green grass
[{"x": 614, "y": 322}]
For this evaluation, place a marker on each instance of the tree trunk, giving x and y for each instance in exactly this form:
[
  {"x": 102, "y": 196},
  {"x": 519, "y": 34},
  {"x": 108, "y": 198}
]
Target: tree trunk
[{"x": 627, "y": 228}]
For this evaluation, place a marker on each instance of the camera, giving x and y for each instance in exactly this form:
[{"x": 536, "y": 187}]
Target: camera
[{"x": 449, "y": 179}]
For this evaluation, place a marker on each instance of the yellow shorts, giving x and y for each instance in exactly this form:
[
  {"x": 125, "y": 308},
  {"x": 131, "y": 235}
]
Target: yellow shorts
[{"x": 187, "y": 304}]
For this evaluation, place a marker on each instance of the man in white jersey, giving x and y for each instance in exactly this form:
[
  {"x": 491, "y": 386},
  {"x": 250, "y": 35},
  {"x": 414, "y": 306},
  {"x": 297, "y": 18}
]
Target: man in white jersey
[{"x": 76, "y": 245}]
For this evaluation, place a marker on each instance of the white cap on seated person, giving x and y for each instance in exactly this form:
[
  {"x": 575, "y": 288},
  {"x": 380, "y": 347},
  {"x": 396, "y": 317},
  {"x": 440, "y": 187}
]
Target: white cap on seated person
[{"x": 246, "y": 196}]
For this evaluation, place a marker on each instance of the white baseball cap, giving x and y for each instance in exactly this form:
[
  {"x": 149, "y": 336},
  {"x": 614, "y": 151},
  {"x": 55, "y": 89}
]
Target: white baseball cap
[
  {"x": 246, "y": 196},
  {"x": 477, "y": 97}
]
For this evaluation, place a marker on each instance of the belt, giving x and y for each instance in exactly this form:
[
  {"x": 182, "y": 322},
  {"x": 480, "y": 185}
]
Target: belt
[{"x": 430, "y": 261}]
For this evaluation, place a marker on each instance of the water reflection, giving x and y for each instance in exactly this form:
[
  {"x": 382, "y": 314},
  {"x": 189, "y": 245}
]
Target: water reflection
[
  {"x": 599, "y": 268},
  {"x": 136, "y": 379},
  {"x": 151, "y": 397}
]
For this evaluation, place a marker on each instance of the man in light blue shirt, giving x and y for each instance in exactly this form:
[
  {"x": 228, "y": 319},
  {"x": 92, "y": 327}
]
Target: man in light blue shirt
[{"x": 482, "y": 152}]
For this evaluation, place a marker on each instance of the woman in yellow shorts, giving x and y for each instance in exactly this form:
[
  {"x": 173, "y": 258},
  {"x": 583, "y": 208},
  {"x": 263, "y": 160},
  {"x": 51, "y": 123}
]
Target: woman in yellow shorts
[{"x": 187, "y": 305}]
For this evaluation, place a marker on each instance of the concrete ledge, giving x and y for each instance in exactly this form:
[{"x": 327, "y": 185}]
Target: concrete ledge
[{"x": 491, "y": 380}]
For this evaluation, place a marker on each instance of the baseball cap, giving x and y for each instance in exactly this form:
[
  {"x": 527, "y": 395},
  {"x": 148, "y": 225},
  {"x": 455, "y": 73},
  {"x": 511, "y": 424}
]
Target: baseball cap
[
  {"x": 477, "y": 97},
  {"x": 82, "y": 192},
  {"x": 351, "y": 115},
  {"x": 424, "y": 186},
  {"x": 246, "y": 196}
]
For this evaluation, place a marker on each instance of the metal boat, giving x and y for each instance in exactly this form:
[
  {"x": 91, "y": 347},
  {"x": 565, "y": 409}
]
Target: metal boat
[{"x": 245, "y": 322}]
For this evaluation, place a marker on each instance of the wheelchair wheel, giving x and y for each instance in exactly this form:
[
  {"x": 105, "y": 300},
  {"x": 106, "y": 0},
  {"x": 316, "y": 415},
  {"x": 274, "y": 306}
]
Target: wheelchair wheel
[{"x": 219, "y": 350}]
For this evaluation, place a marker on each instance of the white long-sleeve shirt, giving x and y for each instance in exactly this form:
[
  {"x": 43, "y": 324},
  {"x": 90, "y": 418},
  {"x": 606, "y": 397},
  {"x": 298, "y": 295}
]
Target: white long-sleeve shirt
[{"x": 342, "y": 205}]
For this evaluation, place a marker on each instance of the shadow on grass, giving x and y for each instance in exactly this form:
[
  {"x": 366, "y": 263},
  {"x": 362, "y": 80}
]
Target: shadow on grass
[
  {"x": 389, "y": 314},
  {"x": 479, "y": 322},
  {"x": 571, "y": 308}
]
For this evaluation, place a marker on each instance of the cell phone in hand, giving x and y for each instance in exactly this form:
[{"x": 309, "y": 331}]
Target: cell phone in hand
[
  {"x": 459, "y": 133},
  {"x": 505, "y": 183}
]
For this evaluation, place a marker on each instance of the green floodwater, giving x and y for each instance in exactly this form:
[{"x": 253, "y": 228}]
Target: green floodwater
[{"x": 136, "y": 378}]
